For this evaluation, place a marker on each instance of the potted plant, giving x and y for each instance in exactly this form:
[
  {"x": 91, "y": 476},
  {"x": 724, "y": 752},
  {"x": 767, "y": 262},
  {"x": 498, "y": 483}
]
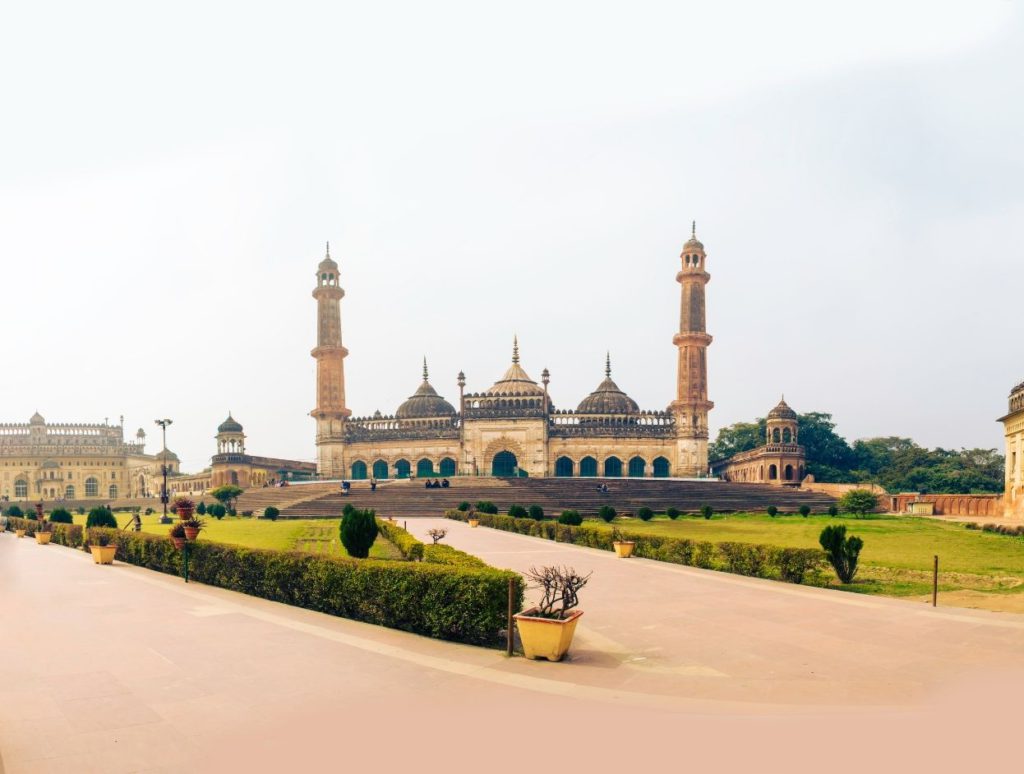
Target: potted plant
[
  {"x": 184, "y": 507},
  {"x": 192, "y": 527},
  {"x": 177, "y": 533},
  {"x": 43, "y": 533},
  {"x": 19, "y": 532},
  {"x": 546, "y": 630},
  {"x": 623, "y": 548},
  {"x": 103, "y": 547},
  {"x": 472, "y": 519}
]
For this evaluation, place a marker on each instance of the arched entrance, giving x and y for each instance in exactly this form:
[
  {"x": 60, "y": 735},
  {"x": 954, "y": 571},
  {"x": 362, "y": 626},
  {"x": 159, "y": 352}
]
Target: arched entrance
[
  {"x": 359, "y": 470},
  {"x": 773, "y": 473},
  {"x": 789, "y": 472},
  {"x": 402, "y": 469},
  {"x": 380, "y": 469},
  {"x": 588, "y": 467},
  {"x": 424, "y": 468},
  {"x": 504, "y": 464},
  {"x": 563, "y": 467},
  {"x": 613, "y": 467},
  {"x": 661, "y": 467},
  {"x": 447, "y": 467},
  {"x": 637, "y": 467}
]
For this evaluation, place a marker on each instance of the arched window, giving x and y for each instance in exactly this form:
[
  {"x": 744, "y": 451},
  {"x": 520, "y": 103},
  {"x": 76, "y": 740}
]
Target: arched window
[
  {"x": 773, "y": 472},
  {"x": 359, "y": 470},
  {"x": 775, "y": 435},
  {"x": 402, "y": 469},
  {"x": 112, "y": 492},
  {"x": 424, "y": 468},
  {"x": 92, "y": 487},
  {"x": 380, "y": 469},
  {"x": 637, "y": 467},
  {"x": 661, "y": 467},
  {"x": 69, "y": 493},
  {"x": 21, "y": 488},
  {"x": 588, "y": 467},
  {"x": 563, "y": 467},
  {"x": 789, "y": 472},
  {"x": 447, "y": 467},
  {"x": 787, "y": 435},
  {"x": 613, "y": 467}
]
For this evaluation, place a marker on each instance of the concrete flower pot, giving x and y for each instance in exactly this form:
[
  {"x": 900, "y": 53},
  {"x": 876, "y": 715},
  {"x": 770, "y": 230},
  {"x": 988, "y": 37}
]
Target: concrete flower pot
[
  {"x": 474, "y": 522},
  {"x": 103, "y": 554},
  {"x": 19, "y": 532},
  {"x": 624, "y": 548},
  {"x": 548, "y": 638},
  {"x": 42, "y": 538}
]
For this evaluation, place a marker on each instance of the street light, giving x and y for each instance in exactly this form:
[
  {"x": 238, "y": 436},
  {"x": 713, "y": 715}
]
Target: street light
[{"x": 163, "y": 467}]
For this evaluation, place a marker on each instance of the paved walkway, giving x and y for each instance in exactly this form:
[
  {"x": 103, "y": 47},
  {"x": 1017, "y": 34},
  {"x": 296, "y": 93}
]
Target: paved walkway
[{"x": 118, "y": 669}]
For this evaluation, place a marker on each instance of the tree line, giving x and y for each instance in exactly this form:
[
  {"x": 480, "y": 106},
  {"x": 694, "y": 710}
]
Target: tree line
[{"x": 897, "y": 464}]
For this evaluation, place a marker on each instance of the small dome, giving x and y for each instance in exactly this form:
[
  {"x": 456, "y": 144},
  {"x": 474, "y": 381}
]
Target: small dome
[
  {"x": 425, "y": 402},
  {"x": 328, "y": 263},
  {"x": 693, "y": 242},
  {"x": 168, "y": 456},
  {"x": 37, "y": 419},
  {"x": 782, "y": 411},
  {"x": 140, "y": 433},
  {"x": 229, "y": 425},
  {"x": 515, "y": 382},
  {"x": 607, "y": 398}
]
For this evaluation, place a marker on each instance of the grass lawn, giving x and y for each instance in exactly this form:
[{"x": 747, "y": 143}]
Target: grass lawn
[
  {"x": 316, "y": 535},
  {"x": 897, "y": 556}
]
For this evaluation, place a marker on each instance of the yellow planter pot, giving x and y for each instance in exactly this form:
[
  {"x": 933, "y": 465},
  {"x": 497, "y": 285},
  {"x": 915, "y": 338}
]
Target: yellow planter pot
[
  {"x": 103, "y": 554},
  {"x": 474, "y": 522},
  {"x": 42, "y": 538},
  {"x": 19, "y": 532},
  {"x": 546, "y": 637},
  {"x": 624, "y": 548}
]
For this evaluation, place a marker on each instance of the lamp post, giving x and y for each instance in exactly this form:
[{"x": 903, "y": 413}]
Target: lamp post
[
  {"x": 165, "y": 519},
  {"x": 462, "y": 423}
]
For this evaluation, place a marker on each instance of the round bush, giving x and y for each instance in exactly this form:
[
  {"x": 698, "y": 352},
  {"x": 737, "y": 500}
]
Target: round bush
[
  {"x": 833, "y": 511},
  {"x": 672, "y": 513},
  {"x": 707, "y": 511},
  {"x": 606, "y": 512},
  {"x": 572, "y": 518},
  {"x": 358, "y": 530},
  {"x": 536, "y": 512},
  {"x": 805, "y": 510},
  {"x": 463, "y": 506},
  {"x": 517, "y": 512},
  {"x": 101, "y": 516},
  {"x": 149, "y": 511},
  {"x": 772, "y": 510},
  {"x": 201, "y": 508},
  {"x": 60, "y": 516},
  {"x": 217, "y": 510},
  {"x": 486, "y": 506},
  {"x": 270, "y": 512},
  {"x": 645, "y": 513},
  {"x": 81, "y": 511},
  {"x": 14, "y": 511}
]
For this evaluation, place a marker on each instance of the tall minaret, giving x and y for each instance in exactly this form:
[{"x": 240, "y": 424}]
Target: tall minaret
[
  {"x": 330, "y": 412},
  {"x": 691, "y": 405}
]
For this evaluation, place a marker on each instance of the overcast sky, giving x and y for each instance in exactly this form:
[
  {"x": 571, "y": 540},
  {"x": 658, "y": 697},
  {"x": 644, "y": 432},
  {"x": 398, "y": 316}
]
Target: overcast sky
[{"x": 170, "y": 173}]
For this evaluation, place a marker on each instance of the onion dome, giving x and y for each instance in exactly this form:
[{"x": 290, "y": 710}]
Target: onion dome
[
  {"x": 515, "y": 381},
  {"x": 328, "y": 263},
  {"x": 607, "y": 398},
  {"x": 167, "y": 456},
  {"x": 140, "y": 433},
  {"x": 229, "y": 425},
  {"x": 425, "y": 402},
  {"x": 37, "y": 419},
  {"x": 693, "y": 241},
  {"x": 782, "y": 411}
]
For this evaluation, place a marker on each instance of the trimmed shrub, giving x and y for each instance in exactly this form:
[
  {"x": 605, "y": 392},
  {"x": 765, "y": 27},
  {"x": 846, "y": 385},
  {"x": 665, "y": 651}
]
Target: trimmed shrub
[
  {"x": 217, "y": 510},
  {"x": 517, "y": 512},
  {"x": 536, "y": 512},
  {"x": 247, "y": 514},
  {"x": 486, "y": 506},
  {"x": 101, "y": 516},
  {"x": 201, "y": 508},
  {"x": 645, "y": 513},
  {"x": 408, "y": 546},
  {"x": 772, "y": 510},
  {"x": 149, "y": 511},
  {"x": 707, "y": 511},
  {"x": 358, "y": 531},
  {"x": 81, "y": 510},
  {"x": 14, "y": 511},
  {"x": 232, "y": 512},
  {"x": 805, "y": 510},
  {"x": 858, "y": 501},
  {"x": 605, "y": 512},
  {"x": 439, "y": 554},
  {"x": 672, "y": 513},
  {"x": 746, "y": 558},
  {"x": 270, "y": 512},
  {"x": 464, "y": 506},
  {"x": 843, "y": 552},
  {"x": 833, "y": 511},
  {"x": 61, "y": 516},
  {"x": 570, "y": 518}
]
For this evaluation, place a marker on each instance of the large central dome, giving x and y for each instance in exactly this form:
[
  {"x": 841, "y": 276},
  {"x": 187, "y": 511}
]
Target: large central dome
[
  {"x": 425, "y": 403},
  {"x": 515, "y": 381},
  {"x": 607, "y": 398}
]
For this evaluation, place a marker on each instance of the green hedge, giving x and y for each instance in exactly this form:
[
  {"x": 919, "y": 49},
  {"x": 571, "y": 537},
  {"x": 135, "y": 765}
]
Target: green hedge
[
  {"x": 414, "y": 550},
  {"x": 451, "y": 601},
  {"x": 792, "y": 565},
  {"x": 63, "y": 534},
  {"x": 407, "y": 545}
]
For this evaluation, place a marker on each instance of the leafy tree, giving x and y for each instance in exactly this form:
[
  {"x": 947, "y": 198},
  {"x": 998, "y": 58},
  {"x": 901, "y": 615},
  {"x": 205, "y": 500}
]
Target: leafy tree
[
  {"x": 606, "y": 512},
  {"x": 101, "y": 516},
  {"x": 358, "y": 530},
  {"x": 740, "y": 437},
  {"x": 858, "y": 501},
  {"x": 843, "y": 552},
  {"x": 227, "y": 494}
]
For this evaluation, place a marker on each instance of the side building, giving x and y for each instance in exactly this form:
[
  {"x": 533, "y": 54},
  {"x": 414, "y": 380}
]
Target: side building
[
  {"x": 513, "y": 428},
  {"x": 1013, "y": 430},
  {"x": 781, "y": 460}
]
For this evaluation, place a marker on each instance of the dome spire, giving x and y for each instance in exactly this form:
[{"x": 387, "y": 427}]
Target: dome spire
[
  {"x": 328, "y": 255},
  {"x": 425, "y": 376},
  {"x": 515, "y": 349},
  {"x": 608, "y": 364},
  {"x": 693, "y": 229}
]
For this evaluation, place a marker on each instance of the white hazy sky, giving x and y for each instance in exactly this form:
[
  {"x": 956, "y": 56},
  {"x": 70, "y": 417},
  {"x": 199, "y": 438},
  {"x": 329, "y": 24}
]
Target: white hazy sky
[{"x": 169, "y": 174}]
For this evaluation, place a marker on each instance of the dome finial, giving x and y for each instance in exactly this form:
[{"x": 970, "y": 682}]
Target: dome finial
[
  {"x": 424, "y": 368},
  {"x": 328, "y": 248},
  {"x": 608, "y": 364},
  {"x": 515, "y": 349},
  {"x": 693, "y": 229}
]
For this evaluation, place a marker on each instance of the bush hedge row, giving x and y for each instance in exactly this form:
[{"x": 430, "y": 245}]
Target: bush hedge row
[
  {"x": 793, "y": 565},
  {"x": 408, "y": 546},
  {"x": 63, "y": 534}
]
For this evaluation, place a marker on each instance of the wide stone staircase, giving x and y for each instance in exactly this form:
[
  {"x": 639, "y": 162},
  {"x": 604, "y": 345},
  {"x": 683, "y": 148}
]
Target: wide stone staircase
[{"x": 409, "y": 499}]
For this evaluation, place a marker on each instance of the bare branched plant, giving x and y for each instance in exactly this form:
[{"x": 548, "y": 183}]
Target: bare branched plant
[
  {"x": 560, "y": 587},
  {"x": 437, "y": 534}
]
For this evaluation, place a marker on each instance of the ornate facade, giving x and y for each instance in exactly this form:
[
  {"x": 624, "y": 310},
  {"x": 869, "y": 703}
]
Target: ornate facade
[
  {"x": 513, "y": 428},
  {"x": 64, "y": 461},
  {"x": 780, "y": 461},
  {"x": 1013, "y": 429}
]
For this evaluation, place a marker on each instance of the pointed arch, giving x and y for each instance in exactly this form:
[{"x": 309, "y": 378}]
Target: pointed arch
[
  {"x": 661, "y": 467},
  {"x": 637, "y": 467},
  {"x": 564, "y": 467},
  {"x": 588, "y": 467}
]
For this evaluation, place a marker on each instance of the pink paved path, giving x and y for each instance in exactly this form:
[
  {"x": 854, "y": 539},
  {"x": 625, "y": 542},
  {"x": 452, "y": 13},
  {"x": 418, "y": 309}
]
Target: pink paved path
[{"x": 117, "y": 669}]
